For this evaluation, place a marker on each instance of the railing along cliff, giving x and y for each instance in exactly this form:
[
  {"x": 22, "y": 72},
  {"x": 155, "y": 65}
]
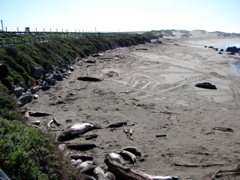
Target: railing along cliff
[{"x": 14, "y": 38}]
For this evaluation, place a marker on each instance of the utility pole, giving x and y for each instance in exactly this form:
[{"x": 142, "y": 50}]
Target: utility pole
[{"x": 2, "y": 24}]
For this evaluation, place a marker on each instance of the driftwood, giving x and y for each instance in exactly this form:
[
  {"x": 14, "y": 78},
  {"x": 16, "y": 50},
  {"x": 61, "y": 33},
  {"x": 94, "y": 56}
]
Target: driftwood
[
  {"x": 123, "y": 172},
  {"x": 128, "y": 132},
  {"x": 235, "y": 171},
  {"x": 54, "y": 120},
  {"x": 49, "y": 124},
  {"x": 224, "y": 129},
  {"x": 26, "y": 115},
  {"x": 161, "y": 135},
  {"x": 92, "y": 136},
  {"x": 198, "y": 165},
  {"x": 141, "y": 49}
]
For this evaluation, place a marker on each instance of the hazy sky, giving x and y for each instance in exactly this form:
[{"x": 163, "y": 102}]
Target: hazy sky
[{"x": 120, "y": 15}]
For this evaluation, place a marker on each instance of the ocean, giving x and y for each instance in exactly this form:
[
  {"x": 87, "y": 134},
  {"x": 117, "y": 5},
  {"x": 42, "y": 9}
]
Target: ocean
[{"x": 231, "y": 44}]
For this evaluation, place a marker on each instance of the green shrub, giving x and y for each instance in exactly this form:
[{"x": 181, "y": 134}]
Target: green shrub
[{"x": 24, "y": 152}]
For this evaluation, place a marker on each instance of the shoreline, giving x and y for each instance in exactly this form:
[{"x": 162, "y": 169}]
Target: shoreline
[{"x": 154, "y": 89}]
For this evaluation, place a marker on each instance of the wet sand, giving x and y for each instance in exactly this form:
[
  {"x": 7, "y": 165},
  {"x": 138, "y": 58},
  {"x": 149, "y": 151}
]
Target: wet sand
[{"x": 154, "y": 91}]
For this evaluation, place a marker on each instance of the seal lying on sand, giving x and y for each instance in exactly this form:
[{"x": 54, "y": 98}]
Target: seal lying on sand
[
  {"x": 75, "y": 130},
  {"x": 117, "y": 158},
  {"x": 128, "y": 156},
  {"x": 133, "y": 150},
  {"x": 109, "y": 176},
  {"x": 91, "y": 79}
]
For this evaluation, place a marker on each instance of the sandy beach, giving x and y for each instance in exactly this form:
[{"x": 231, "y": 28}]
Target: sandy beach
[{"x": 181, "y": 130}]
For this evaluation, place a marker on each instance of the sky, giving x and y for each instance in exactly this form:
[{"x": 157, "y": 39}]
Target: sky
[{"x": 120, "y": 15}]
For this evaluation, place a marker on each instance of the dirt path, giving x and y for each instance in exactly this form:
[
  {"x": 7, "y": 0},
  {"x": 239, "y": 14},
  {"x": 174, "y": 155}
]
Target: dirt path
[{"x": 155, "y": 92}]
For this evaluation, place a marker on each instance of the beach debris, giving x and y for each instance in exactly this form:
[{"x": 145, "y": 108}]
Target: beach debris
[
  {"x": 128, "y": 132},
  {"x": 92, "y": 136},
  {"x": 57, "y": 103},
  {"x": 87, "y": 78},
  {"x": 224, "y": 129},
  {"x": 38, "y": 114},
  {"x": 161, "y": 135},
  {"x": 81, "y": 146},
  {"x": 81, "y": 156},
  {"x": 26, "y": 115},
  {"x": 75, "y": 130},
  {"x": 111, "y": 74},
  {"x": 53, "y": 121},
  {"x": 117, "y": 124},
  {"x": 235, "y": 171},
  {"x": 133, "y": 150},
  {"x": 198, "y": 165},
  {"x": 145, "y": 49},
  {"x": 206, "y": 85}
]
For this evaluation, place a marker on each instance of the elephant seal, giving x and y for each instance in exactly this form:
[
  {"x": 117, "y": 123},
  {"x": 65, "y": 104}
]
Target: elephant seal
[
  {"x": 163, "y": 177},
  {"x": 86, "y": 177},
  {"x": 98, "y": 173},
  {"x": 128, "y": 156},
  {"x": 76, "y": 162},
  {"x": 109, "y": 176},
  {"x": 81, "y": 156},
  {"x": 91, "y": 79},
  {"x": 117, "y": 158},
  {"x": 118, "y": 124},
  {"x": 75, "y": 130},
  {"x": 84, "y": 164},
  {"x": 88, "y": 169},
  {"x": 133, "y": 150}
]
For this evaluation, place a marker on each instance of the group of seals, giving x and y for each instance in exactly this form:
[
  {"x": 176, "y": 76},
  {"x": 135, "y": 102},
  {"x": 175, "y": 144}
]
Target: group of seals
[{"x": 88, "y": 170}]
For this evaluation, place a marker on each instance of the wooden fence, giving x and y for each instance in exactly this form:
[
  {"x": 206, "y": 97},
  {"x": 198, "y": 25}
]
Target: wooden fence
[{"x": 36, "y": 37}]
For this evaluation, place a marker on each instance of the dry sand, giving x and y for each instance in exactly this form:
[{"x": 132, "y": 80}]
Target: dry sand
[{"x": 155, "y": 93}]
